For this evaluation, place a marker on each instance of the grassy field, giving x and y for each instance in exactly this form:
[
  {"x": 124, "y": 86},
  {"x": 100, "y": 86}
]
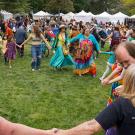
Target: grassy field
[{"x": 46, "y": 99}]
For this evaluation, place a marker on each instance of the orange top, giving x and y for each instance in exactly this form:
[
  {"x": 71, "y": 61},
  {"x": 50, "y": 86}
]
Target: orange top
[
  {"x": 120, "y": 68},
  {"x": 9, "y": 32}
]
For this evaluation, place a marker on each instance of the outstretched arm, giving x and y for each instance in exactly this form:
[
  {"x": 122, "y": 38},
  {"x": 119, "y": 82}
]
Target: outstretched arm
[
  {"x": 9, "y": 128},
  {"x": 107, "y": 79},
  {"x": 110, "y": 36},
  {"x": 95, "y": 43},
  {"x": 120, "y": 77},
  {"x": 106, "y": 119},
  {"x": 29, "y": 37},
  {"x": 47, "y": 43},
  {"x": 75, "y": 38},
  {"x": 86, "y": 128}
]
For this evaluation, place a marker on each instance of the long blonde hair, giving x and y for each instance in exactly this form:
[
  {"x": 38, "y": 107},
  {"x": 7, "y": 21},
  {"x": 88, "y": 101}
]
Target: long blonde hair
[{"x": 129, "y": 84}]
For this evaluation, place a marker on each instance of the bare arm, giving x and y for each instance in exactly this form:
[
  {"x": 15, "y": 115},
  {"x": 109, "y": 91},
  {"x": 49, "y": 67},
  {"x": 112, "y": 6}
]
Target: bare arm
[
  {"x": 107, "y": 79},
  {"x": 120, "y": 77},
  {"x": 86, "y": 128},
  {"x": 47, "y": 43},
  {"x": 29, "y": 37},
  {"x": 4, "y": 48},
  {"x": 119, "y": 90},
  {"x": 9, "y": 128},
  {"x": 110, "y": 36}
]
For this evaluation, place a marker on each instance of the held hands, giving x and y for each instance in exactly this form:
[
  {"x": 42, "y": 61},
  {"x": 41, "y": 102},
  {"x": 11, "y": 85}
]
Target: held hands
[
  {"x": 99, "y": 52},
  {"x": 105, "y": 81},
  {"x": 18, "y": 46},
  {"x": 103, "y": 39},
  {"x": 119, "y": 90},
  {"x": 49, "y": 47}
]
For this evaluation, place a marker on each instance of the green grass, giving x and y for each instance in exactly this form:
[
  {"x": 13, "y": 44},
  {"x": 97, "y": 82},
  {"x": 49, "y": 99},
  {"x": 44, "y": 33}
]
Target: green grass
[{"x": 46, "y": 99}]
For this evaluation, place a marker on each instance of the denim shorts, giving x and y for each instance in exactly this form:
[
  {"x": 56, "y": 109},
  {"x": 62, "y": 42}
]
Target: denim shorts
[{"x": 36, "y": 51}]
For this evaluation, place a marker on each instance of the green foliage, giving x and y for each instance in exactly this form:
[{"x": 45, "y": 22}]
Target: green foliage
[
  {"x": 96, "y": 6},
  {"x": 37, "y": 5},
  {"x": 15, "y": 6},
  {"x": 55, "y": 6},
  {"x": 129, "y": 6}
]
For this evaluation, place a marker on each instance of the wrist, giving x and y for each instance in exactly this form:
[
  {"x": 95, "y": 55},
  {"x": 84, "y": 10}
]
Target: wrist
[{"x": 110, "y": 82}]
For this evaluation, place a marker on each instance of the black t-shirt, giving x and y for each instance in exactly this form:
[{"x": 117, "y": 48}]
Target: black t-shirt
[{"x": 120, "y": 114}]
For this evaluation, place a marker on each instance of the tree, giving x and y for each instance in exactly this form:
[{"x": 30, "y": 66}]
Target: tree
[
  {"x": 15, "y": 6},
  {"x": 97, "y": 6},
  {"x": 37, "y": 5},
  {"x": 56, "y": 6},
  {"x": 129, "y": 6},
  {"x": 79, "y": 5}
]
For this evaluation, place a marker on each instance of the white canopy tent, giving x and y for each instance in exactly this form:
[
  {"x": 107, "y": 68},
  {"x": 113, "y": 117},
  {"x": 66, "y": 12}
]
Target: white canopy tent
[
  {"x": 89, "y": 13},
  {"x": 119, "y": 17},
  {"x": 83, "y": 16},
  {"x": 103, "y": 17},
  {"x": 41, "y": 14},
  {"x": 6, "y": 14},
  {"x": 68, "y": 16},
  {"x": 132, "y": 17},
  {"x": 60, "y": 14}
]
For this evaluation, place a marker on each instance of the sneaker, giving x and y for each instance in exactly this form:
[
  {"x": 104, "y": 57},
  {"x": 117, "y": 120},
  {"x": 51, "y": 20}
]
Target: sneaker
[
  {"x": 33, "y": 69},
  {"x": 100, "y": 78}
]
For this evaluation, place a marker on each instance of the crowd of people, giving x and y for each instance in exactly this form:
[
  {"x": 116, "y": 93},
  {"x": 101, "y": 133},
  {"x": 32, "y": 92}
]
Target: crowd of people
[{"x": 78, "y": 44}]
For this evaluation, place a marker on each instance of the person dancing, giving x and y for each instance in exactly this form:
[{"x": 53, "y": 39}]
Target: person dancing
[
  {"x": 61, "y": 57},
  {"x": 36, "y": 51},
  {"x": 84, "y": 61}
]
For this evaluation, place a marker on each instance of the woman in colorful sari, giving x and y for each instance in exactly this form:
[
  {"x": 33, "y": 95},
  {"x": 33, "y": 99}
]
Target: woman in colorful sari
[
  {"x": 84, "y": 62},
  {"x": 61, "y": 57}
]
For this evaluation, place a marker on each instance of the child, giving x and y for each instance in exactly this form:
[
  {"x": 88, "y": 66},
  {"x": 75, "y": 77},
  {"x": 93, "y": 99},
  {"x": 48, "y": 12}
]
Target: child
[{"x": 11, "y": 50}]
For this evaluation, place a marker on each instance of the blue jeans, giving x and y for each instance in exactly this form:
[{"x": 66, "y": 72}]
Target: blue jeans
[{"x": 36, "y": 56}]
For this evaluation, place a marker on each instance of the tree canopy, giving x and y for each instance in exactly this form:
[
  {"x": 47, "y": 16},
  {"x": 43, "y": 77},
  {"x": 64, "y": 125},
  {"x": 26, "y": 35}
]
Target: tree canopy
[
  {"x": 129, "y": 5},
  {"x": 55, "y": 6}
]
